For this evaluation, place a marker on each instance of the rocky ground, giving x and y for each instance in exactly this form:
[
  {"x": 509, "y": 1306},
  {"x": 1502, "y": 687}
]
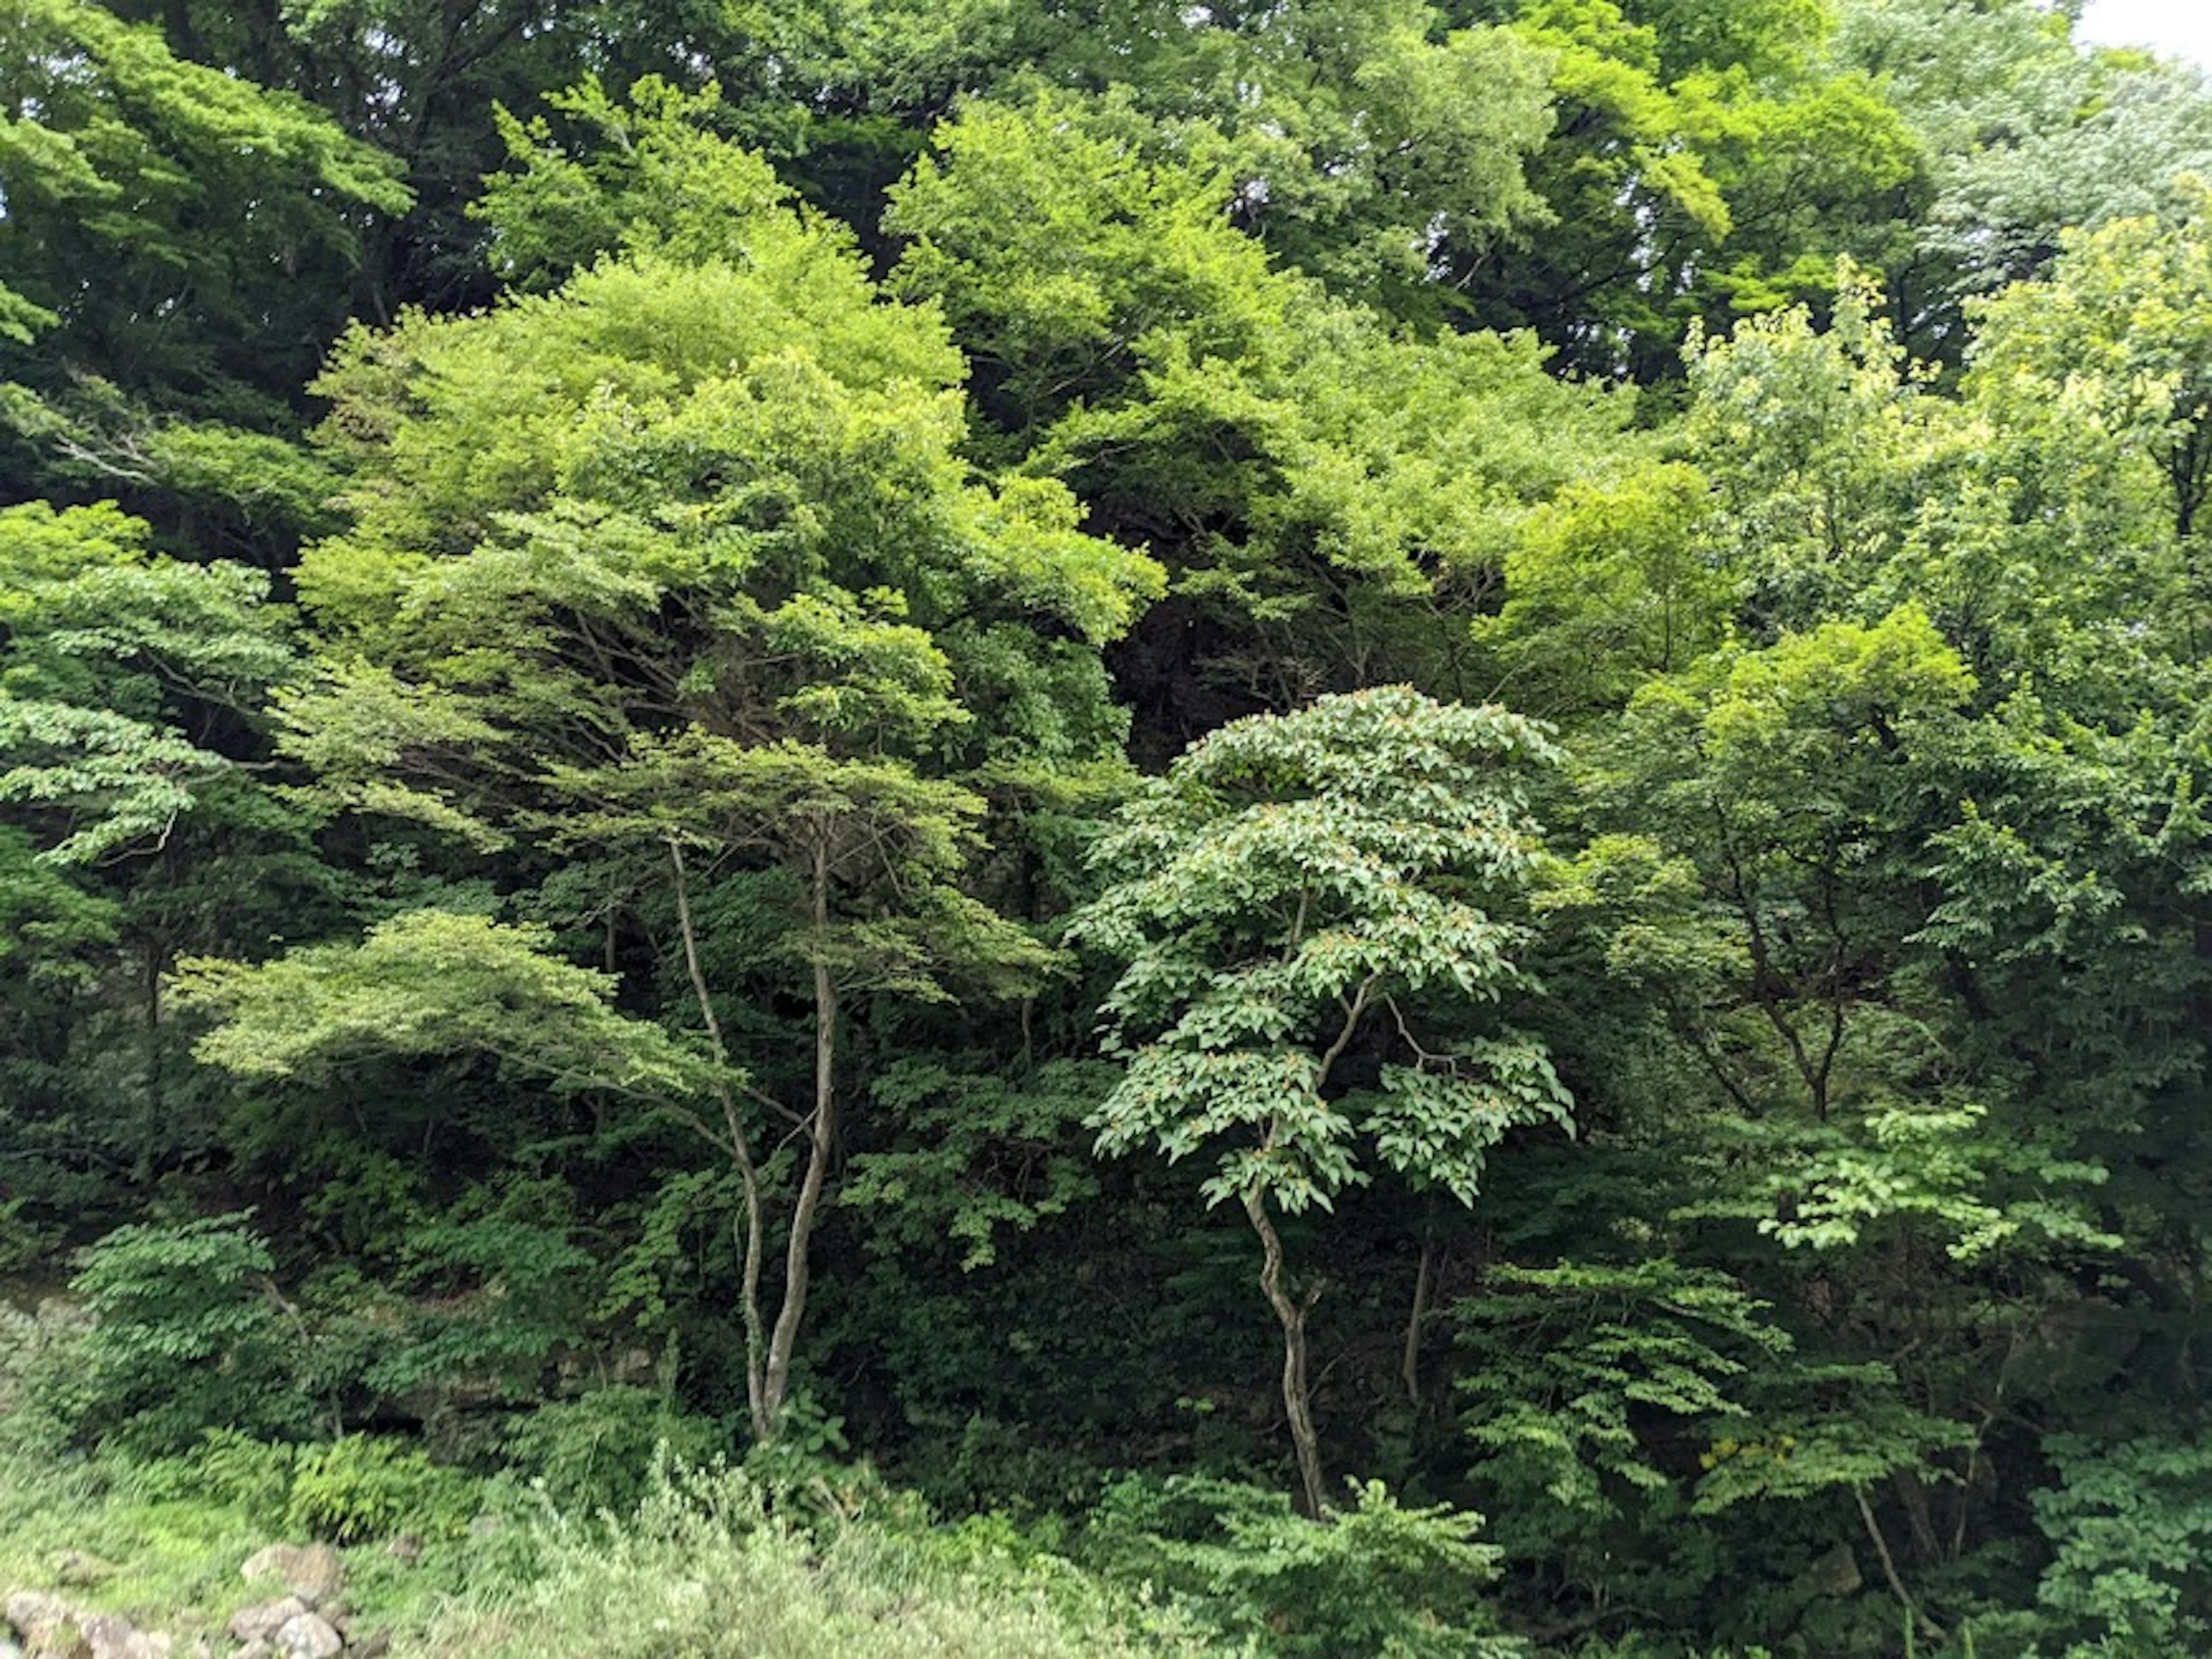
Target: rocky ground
[{"x": 309, "y": 1619}]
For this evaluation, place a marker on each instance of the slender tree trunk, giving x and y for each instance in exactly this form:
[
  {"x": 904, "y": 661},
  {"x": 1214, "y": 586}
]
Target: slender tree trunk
[
  {"x": 155, "y": 1112},
  {"x": 1889, "y": 1568},
  {"x": 821, "y": 1138},
  {"x": 1410, "y": 1366},
  {"x": 1297, "y": 1393},
  {"x": 751, "y": 1227}
]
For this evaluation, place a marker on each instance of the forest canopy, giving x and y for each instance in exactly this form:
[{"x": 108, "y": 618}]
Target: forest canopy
[{"x": 1391, "y": 812}]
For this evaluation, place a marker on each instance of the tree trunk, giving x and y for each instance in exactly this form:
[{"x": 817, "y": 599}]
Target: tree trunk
[
  {"x": 154, "y": 1112},
  {"x": 1409, "y": 1366},
  {"x": 821, "y": 1137},
  {"x": 751, "y": 1229},
  {"x": 1298, "y": 1395}
]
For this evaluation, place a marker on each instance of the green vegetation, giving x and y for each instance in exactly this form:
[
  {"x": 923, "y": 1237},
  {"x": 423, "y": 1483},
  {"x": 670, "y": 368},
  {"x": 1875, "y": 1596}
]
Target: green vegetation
[{"x": 1338, "y": 827}]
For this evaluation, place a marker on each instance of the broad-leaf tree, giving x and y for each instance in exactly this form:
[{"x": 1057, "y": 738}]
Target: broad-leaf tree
[
  {"x": 722, "y": 611},
  {"x": 1314, "y": 914}
]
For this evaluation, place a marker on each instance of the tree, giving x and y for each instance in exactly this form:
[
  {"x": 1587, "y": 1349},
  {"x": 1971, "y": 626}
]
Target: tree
[
  {"x": 177, "y": 252},
  {"x": 1307, "y": 909},
  {"x": 724, "y": 617},
  {"x": 1327, "y": 491},
  {"x": 133, "y": 687}
]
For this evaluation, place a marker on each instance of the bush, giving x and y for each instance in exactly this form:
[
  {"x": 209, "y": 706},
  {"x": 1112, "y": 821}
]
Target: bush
[
  {"x": 363, "y": 1487},
  {"x": 2130, "y": 1526},
  {"x": 40, "y": 1365},
  {"x": 703, "y": 1570},
  {"x": 185, "y": 1338},
  {"x": 596, "y": 1451},
  {"x": 1381, "y": 1580}
]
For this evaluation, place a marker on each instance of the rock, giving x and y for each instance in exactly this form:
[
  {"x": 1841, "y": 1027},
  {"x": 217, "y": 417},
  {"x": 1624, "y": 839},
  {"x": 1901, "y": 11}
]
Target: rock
[
  {"x": 257, "y": 1649},
  {"x": 110, "y": 1635},
  {"x": 75, "y": 1569},
  {"x": 373, "y": 1646},
  {"x": 309, "y": 1636},
  {"x": 48, "y": 1627},
  {"x": 260, "y": 1624},
  {"x": 311, "y": 1571},
  {"x": 26, "y": 1609},
  {"x": 1836, "y": 1573},
  {"x": 407, "y": 1547}
]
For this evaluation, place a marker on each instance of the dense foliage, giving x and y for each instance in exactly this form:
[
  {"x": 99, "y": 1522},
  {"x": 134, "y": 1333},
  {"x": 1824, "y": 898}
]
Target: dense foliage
[{"x": 788, "y": 733}]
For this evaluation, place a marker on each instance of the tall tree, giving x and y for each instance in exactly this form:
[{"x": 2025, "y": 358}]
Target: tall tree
[
  {"x": 723, "y": 611},
  {"x": 1309, "y": 909}
]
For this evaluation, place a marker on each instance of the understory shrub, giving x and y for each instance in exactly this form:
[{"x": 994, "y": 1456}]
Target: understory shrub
[
  {"x": 2130, "y": 1528},
  {"x": 185, "y": 1336},
  {"x": 1378, "y": 1579},
  {"x": 596, "y": 1451},
  {"x": 363, "y": 1486}
]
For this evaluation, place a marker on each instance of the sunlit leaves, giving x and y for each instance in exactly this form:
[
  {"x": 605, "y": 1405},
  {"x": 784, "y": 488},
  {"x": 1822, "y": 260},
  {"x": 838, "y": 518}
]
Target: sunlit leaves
[
  {"x": 433, "y": 982},
  {"x": 1289, "y": 880}
]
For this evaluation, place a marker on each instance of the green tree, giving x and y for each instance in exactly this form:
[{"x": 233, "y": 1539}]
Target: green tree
[
  {"x": 723, "y": 611},
  {"x": 1308, "y": 907},
  {"x": 177, "y": 252},
  {"x": 1328, "y": 491}
]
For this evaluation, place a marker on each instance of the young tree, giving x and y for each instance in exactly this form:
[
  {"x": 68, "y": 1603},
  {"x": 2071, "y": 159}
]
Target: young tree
[{"x": 1308, "y": 908}]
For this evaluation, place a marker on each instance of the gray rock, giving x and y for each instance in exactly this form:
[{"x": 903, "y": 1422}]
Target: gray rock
[
  {"x": 311, "y": 1571},
  {"x": 260, "y": 1624},
  {"x": 255, "y": 1649},
  {"x": 77, "y": 1570},
  {"x": 111, "y": 1637},
  {"x": 309, "y": 1636},
  {"x": 25, "y": 1608},
  {"x": 47, "y": 1625},
  {"x": 1836, "y": 1573}
]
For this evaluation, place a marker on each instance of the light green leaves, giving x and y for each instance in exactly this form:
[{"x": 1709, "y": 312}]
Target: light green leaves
[
  {"x": 433, "y": 982},
  {"x": 104, "y": 649},
  {"x": 1291, "y": 881}
]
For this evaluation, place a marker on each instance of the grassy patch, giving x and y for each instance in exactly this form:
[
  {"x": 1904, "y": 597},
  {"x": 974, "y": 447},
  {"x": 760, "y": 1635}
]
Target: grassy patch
[
  {"x": 701, "y": 1572},
  {"x": 175, "y": 1561}
]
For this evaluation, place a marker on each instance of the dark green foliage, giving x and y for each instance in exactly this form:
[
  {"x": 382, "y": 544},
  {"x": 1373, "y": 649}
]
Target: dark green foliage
[
  {"x": 600, "y": 1450},
  {"x": 1405, "y": 564},
  {"x": 361, "y": 1487},
  {"x": 185, "y": 1335},
  {"x": 2129, "y": 1523}
]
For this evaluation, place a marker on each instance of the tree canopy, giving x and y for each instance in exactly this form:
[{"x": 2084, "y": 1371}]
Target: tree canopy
[{"x": 793, "y": 728}]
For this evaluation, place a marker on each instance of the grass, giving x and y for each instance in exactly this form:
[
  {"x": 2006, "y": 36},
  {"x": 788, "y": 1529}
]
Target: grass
[
  {"x": 700, "y": 1571},
  {"x": 175, "y": 1562}
]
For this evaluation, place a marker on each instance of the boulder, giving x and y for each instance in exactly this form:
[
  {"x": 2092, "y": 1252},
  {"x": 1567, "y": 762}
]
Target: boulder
[
  {"x": 1836, "y": 1573},
  {"x": 262, "y": 1623},
  {"x": 311, "y": 1571},
  {"x": 109, "y": 1636},
  {"x": 47, "y": 1625},
  {"x": 309, "y": 1636}
]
